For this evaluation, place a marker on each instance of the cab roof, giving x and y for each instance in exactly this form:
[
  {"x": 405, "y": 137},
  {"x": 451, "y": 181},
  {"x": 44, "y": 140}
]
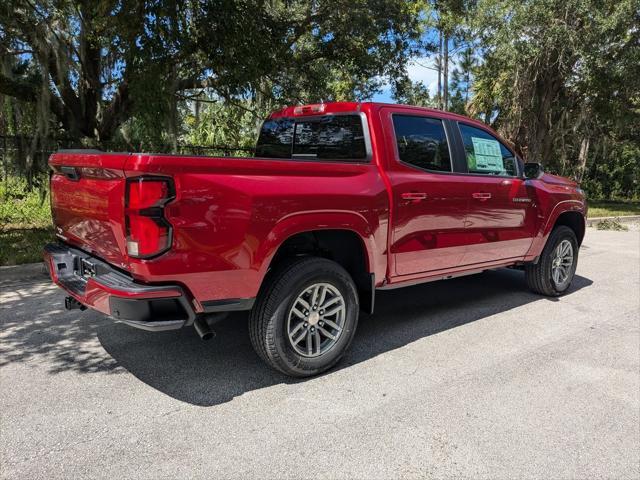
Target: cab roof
[{"x": 338, "y": 107}]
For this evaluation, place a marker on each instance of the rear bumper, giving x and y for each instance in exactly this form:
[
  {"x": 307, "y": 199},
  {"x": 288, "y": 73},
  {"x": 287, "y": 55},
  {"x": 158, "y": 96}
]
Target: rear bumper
[{"x": 98, "y": 285}]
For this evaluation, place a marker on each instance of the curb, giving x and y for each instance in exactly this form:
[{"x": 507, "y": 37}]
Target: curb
[{"x": 622, "y": 219}]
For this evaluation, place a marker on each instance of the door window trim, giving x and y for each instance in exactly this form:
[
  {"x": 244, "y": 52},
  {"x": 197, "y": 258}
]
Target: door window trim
[
  {"x": 498, "y": 139},
  {"x": 446, "y": 135}
]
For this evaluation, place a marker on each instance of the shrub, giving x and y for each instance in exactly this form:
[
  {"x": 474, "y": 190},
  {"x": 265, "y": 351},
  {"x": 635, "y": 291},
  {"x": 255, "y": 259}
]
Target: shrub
[
  {"x": 21, "y": 206},
  {"x": 611, "y": 224}
]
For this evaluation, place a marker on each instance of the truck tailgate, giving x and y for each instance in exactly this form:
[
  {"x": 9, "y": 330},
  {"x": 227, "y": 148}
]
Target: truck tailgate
[{"x": 87, "y": 202}]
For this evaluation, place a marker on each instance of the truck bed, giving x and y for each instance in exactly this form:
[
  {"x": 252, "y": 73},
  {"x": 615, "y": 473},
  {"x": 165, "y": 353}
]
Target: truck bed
[{"x": 223, "y": 215}]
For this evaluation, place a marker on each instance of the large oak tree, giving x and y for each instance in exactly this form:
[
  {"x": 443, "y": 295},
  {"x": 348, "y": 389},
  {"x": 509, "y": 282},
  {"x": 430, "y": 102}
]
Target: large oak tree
[{"x": 92, "y": 65}]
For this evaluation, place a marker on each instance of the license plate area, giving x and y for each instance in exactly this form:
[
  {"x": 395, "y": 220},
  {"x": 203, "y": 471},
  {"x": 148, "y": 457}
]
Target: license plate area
[{"x": 87, "y": 268}]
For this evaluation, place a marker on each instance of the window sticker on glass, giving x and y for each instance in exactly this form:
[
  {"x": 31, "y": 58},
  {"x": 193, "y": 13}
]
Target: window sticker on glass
[{"x": 487, "y": 155}]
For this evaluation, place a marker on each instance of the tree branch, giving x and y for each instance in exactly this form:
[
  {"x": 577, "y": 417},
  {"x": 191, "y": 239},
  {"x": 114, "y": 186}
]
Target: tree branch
[{"x": 14, "y": 88}]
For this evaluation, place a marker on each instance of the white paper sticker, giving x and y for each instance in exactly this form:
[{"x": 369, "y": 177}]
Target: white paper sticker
[{"x": 488, "y": 157}]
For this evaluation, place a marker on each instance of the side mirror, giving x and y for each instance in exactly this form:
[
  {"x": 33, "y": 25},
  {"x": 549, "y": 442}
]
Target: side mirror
[{"x": 533, "y": 170}]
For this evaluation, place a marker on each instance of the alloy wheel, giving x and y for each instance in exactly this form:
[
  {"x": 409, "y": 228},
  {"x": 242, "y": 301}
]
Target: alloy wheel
[{"x": 316, "y": 320}]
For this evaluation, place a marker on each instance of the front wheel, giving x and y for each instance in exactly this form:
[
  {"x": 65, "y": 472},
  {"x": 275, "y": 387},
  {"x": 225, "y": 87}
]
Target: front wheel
[
  {"x": 305, "y": 316},
  {"x": 556, "y": 267}
]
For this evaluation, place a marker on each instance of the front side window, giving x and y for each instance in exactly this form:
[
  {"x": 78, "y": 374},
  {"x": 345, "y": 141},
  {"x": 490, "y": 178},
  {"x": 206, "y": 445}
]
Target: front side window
[
  {"x": 422, "y": 142},
  {"x": 485, "y": 154},
  {"x": 330, "y": 137}
]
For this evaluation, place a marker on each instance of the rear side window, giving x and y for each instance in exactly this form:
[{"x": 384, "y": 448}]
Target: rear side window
[
  {"x": 486, "y": 154},
  {"x": 330, "y": 137},
  {"x": 422, "y": 142}
]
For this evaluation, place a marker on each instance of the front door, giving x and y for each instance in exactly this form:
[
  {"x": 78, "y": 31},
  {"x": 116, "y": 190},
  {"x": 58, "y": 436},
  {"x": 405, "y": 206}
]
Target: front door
[
  {"x": 429, "y": 199},
  {"x": 501, "y": 219}
]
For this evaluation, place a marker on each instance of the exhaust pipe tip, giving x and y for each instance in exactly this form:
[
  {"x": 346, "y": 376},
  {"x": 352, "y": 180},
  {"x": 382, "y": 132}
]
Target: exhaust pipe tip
[{"x": 203, "y": 329}]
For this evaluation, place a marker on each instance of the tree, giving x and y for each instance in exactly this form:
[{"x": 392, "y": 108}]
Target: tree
[
  {"x": 95, "y": 65},
  {"x": 412, "y": 93},
  {"x": 461, "y": 80},
  {"x": 449, "y": 16},
  {"x": 561, "y": 78}
]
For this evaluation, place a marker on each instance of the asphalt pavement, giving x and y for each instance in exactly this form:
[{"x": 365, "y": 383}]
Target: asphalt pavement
[{"x": 474, "y": 377}]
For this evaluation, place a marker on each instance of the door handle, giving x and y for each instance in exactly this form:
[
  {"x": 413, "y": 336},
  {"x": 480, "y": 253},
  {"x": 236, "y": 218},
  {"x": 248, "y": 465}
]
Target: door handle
[
  {"x": 482, "y": 196},
  {"x": 413, "y": 196},
  {"x": 70, "y": 172}
]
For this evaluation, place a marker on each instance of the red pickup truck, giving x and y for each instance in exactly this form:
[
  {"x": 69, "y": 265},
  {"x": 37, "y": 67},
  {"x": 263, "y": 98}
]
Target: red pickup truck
[{"x": 340, "y": 200}]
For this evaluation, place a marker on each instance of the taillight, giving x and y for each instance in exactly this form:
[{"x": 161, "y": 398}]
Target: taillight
[{"x": 148, "y": 231}]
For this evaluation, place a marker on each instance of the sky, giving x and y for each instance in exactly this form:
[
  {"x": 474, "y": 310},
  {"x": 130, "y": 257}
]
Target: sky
[{"x": 418, "y": 72}]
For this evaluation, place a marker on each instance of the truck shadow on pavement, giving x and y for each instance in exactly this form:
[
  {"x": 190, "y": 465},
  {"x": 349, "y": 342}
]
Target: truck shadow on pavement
[
  {"x": 209, "y": 373},
  {"x": 37, "y": 329}
]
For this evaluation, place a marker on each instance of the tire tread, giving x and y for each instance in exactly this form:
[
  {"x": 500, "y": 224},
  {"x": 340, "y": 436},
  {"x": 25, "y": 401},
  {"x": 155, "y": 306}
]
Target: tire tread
[
  {"x": 262, "y": 329},
  {"x": 536, "y": 274}
]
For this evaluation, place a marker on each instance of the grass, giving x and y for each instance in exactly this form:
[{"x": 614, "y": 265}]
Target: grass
[
  {"x": 609, "y": 208},
  {"x": 23, "y": 245}
]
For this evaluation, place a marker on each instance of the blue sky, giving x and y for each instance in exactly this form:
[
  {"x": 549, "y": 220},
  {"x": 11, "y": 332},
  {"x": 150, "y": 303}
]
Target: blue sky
[{"x": 418, "y": 71}]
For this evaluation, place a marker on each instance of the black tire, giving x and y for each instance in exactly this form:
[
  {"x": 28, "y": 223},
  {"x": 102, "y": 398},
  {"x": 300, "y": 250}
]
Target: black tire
[
  {"x": 539, "y": 275},
  {"x": 268, "y": 318}
]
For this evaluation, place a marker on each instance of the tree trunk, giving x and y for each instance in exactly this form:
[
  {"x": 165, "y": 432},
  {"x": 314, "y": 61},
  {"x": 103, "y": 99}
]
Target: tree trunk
[
  {"x": 439, "y": 70},
  {"x": 582, "y": 157},
  {"x": 466, "y": 87},
  {"x": 540, "y": 143},
  {"x": 197, "y": 113},
  {"x": 445, "y": 80},
  {"x": 173, "y": 123}
]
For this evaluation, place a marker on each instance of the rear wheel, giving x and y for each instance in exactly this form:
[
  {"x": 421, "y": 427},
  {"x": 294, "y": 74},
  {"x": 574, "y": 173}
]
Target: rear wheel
[
  {"x": 556, "y": 267},
  {"x": 305, "y": 317}
]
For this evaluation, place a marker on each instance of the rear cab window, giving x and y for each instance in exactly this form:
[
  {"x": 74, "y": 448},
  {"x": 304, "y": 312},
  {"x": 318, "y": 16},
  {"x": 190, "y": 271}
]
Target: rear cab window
[
  {"x": 422, "y": 142},
  {"x": 326, "y": 137},
  {"x": 485, "y": 154}
]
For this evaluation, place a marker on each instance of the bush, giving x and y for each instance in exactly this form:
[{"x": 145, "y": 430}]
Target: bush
[
  {"x": 22, "y": 207},
  {"x": 611, "y": 224},
  {"x": 18, "y": 246}
]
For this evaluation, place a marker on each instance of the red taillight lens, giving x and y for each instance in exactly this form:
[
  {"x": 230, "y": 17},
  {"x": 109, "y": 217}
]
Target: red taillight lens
[
  {"x": 147, "y": 193},
  {"x": 148, "y": 231}
]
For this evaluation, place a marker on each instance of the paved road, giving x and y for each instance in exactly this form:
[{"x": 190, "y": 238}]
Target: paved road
[{"x": 472, "y": 377}]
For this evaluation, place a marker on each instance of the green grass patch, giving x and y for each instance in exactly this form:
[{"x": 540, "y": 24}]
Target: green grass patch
[
  {"x": 608, "y": 208},
  {"x": 23, "y": 245}
]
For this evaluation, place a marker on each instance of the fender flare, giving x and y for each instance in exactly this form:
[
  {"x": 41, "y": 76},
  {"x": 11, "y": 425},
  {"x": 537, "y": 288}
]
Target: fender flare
[
  {"x": 562, "y": 207},
  {"x": 541, "y": 238},
  {"x": 309, "y": 221}
]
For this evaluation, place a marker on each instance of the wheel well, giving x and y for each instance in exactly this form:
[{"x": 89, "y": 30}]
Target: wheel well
[
  {"x": 344, "y": 247},
  {"x": 573, "y": 220}
]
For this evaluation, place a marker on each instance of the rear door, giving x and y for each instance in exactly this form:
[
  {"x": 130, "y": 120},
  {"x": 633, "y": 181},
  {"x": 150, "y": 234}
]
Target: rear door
[
  {"x": 429, "y": 199},
  {"x": 501, "y": 219}
]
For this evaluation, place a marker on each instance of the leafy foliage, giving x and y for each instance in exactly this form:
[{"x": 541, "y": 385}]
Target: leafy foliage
[
  {"x": 94, "y": 65},
  {"x": 561, "y": 79},
  {"x": 21, "y": 206},
  {"x": 611, "y": 224},
  {"x": 18, "y": 246}
]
